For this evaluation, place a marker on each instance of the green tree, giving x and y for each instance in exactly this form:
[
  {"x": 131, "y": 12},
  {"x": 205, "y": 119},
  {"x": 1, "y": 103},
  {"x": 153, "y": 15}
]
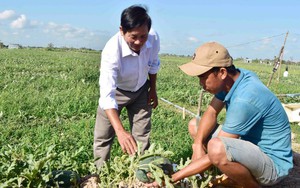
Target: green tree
[{"x": 50, "y": 47}]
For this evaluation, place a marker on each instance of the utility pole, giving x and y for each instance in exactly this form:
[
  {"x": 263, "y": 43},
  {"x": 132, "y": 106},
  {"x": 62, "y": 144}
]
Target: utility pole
[
  {"x": 281, "y": 58},
  {"x": 277, "y": 63}
]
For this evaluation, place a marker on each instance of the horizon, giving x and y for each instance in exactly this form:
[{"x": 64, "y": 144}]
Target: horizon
[{"x": 253, "y": 29}]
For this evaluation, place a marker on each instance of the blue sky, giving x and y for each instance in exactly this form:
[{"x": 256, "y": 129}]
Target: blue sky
[{"x": 253, "y": 29}]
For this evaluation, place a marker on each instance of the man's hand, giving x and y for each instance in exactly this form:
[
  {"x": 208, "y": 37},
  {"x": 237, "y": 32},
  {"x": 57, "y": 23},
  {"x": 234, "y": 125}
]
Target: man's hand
[
  {"x": 127, "y": 142},
  {"x": 151, "y": 185},
  {"x": 125, "y": 139},
  {"x": 152, "y": 100}
]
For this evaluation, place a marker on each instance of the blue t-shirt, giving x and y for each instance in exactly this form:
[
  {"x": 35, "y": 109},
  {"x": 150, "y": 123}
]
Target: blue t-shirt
[{"x": 255, "y": 113}]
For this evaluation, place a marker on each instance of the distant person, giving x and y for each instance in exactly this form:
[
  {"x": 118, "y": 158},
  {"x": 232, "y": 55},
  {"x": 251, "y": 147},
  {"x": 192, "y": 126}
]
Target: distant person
[
  {"x": 129, "y": 64},
  {"x": 286, "y": 72},
  {"x": 253, "y": 147}
]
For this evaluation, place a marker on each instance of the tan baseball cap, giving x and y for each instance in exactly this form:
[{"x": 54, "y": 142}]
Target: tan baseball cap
[{"x": 207, "y": 56}]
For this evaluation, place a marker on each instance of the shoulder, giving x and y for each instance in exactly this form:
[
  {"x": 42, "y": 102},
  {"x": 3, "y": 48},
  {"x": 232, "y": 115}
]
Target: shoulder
[
  {"x": 249, "y": 82},
  {"x": 114, "y": 43},
  {"x": 248, "y": 74},
  {"x": 153, "y": 35},
  {"x": 252, "y": 91},
  {"x": 114, "y": 40}
]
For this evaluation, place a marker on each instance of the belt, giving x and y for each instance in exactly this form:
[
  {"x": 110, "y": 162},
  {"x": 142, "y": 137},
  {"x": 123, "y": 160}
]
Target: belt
[{"x": 146, "y": 83}]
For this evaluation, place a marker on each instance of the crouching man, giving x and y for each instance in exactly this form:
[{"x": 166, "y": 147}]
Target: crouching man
[{"x": 253, "y": 147}]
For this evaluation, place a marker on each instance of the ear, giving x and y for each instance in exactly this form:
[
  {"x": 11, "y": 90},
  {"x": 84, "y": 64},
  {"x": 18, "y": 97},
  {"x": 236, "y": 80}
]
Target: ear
[
  {"x": 121, "y": 30},
  {"x": 223, "y": 73}
]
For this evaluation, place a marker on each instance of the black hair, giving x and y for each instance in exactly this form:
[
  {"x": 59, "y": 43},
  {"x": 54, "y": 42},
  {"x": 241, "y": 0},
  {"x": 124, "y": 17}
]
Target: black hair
[
  {"x": 231, "y": 69},
  {"x": 135, "y": 16}
]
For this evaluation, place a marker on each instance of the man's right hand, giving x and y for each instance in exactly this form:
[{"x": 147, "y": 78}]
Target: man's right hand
[
  {"x": 125, "y": 139},
  {"x": 127, "y": 142}
]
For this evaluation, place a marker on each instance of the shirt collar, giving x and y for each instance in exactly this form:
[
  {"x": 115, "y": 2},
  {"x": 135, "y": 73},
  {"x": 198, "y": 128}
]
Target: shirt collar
[
  {"x": 126, "y": 51},
  {"x": 234, "y": 86}
]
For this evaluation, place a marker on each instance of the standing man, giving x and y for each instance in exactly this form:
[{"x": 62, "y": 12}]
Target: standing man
[
  {"x": 129, "y": 64},
  {"x": 253, "y": 148}
]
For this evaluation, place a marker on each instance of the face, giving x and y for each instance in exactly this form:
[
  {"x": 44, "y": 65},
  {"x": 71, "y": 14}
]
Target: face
[
  {"x": 211, "y": 81},
  {"x": 136, "y": 37}
]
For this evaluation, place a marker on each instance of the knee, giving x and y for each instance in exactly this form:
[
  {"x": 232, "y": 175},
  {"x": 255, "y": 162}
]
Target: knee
[
  {"x": 192, "y": 127},
  {"x": 216, "y": 152}
]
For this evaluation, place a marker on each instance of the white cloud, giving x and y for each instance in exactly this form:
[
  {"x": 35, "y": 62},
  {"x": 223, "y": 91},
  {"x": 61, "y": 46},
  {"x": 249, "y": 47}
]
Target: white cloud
[
  {"x": 294, "y": 39},
  {"x": 67, "y": 31},
  {"x": 267, "y": 41},
  {"x": 21, "y": 30},
  {"x": 7, "y": 14},
  {"x": 19, "y": 23},
  {"x": 34, "y": 23},
  {"x": 193, "y": 39},
  {"x": 265, "y": 44}
]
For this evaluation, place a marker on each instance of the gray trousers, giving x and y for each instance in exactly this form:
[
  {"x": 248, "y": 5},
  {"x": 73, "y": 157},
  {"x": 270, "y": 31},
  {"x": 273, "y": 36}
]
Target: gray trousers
[{"x": 139, "y": 115}]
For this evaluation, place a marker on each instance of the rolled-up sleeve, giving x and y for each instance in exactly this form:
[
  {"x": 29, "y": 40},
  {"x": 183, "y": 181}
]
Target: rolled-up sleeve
[
  {"x": 155, "y": 61},
  {"x": 107, "y": 81}
]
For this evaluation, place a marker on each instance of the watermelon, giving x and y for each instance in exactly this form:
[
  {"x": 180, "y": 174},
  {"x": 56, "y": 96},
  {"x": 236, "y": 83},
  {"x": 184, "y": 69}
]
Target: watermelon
[
  {"x": 64, "y": 178},
  {"x": 159, "y": 161}
]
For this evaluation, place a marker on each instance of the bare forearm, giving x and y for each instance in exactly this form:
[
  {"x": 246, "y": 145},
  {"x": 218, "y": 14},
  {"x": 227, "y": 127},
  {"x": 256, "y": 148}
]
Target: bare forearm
[
  {"x": 152, "y": 99},
  {"x": 208, "y": 121},
  {"x": 207, "y": 124},
  {"x": 195, "y": 167},
  {"x": 114, "y": 119},
  {"x": 125, "y": 138},
  {"x": 152, "y": 79}
]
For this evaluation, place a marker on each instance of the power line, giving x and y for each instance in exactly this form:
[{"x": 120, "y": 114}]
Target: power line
[{"x": 246, "y": 43}]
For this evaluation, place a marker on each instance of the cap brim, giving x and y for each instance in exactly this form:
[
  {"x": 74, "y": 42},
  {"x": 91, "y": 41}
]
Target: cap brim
[{"x": 193, "y": 69}]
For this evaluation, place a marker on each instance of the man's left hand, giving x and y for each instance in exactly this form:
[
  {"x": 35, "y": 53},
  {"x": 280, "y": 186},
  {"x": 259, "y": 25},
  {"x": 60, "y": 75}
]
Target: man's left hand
[{"x": 152, "y": 100}]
